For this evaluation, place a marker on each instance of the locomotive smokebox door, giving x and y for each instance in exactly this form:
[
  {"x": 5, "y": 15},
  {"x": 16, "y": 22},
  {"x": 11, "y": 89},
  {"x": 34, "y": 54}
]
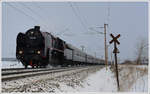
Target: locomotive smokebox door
[{"x": 37, "y": 28}]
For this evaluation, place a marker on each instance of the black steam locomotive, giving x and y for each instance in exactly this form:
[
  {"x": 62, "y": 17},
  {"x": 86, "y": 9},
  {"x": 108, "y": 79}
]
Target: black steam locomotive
[{"x": 38, "y": 49}]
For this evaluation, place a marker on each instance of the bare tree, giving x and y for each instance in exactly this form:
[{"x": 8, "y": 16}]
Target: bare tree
[{"x": 141, "y": 51}]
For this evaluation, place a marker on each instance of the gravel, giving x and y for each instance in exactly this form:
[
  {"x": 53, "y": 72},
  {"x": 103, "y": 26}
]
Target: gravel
[{"x": 50, "y": 82}]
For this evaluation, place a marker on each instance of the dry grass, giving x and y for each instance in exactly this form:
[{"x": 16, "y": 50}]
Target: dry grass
[{"x": 129, "y": 74}]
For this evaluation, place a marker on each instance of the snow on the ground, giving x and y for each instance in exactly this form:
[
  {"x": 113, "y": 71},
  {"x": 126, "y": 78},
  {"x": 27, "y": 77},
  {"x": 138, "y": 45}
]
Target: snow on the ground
[
  {"x": 11, "y": 64},
  {"x": 93, "y": 79},
  {"x": 102, "y": 81},
  {"x": 141, "y": 85},
  {"x": 130, "y": 78}
]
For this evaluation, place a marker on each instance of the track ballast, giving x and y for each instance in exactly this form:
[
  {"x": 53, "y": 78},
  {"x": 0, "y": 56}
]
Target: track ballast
[{"x": 13, "y": 74}]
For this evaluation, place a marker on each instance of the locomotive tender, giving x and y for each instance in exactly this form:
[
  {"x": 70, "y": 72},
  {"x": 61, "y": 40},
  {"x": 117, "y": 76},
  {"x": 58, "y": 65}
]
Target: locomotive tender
[{"x": 36, "y": 48}]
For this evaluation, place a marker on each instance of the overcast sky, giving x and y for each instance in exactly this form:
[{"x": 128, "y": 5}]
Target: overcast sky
[{"x": 72, "y": 21}]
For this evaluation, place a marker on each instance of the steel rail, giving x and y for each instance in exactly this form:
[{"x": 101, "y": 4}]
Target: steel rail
[
  {"x": 13, "y": 72},
  {"x": 30, "y": 74}
]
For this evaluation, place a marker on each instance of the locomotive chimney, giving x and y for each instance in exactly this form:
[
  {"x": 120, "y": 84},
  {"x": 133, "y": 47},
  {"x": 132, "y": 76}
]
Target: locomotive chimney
[{"x": 37, "y": 28}]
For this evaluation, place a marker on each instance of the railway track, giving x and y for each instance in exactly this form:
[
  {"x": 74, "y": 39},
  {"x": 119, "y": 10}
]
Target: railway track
[
  {"x": 13, "y": 74},
  {"x": 22, "y": 70}
]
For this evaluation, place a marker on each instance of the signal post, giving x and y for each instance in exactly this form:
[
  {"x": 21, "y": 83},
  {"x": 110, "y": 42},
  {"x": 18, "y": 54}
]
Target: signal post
[{"x": 115, "y": 54}]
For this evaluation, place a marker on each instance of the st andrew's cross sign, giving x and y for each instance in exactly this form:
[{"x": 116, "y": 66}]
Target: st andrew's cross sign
[{"x": 115, "y": 41}]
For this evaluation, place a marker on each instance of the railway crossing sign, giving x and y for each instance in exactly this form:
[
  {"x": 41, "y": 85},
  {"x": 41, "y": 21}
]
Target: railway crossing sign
[
  {"x": 114, "y": 39},
  {"x": 115, "y": 54}
]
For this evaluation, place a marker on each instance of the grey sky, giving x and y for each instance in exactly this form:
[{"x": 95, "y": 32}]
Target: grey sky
[{"x": 74, "y": 19}]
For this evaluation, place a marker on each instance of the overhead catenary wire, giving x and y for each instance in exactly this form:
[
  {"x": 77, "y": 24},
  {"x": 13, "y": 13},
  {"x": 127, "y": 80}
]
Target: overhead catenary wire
[
  {"x": 82, "y": 16},
  {"x": 22, "y": 12},
  {"x": 39, "y": 16},
  {"x": 78, "y": 17},
  {"x": 76, "y": 8},
  {"x": 108, "y": 16},
  {"x": 62, "y": 32},
  {"x": 45, "y": 14}
]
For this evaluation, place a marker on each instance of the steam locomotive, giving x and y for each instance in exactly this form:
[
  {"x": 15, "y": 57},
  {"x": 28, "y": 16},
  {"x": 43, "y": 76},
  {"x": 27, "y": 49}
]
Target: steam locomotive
[{"x": 39, "y": 49}]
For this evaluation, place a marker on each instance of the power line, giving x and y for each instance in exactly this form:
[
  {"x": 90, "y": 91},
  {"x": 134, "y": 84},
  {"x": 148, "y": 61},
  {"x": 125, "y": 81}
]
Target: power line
[
  {"x": 77, "y": 8},
  {"x": 22, "y": 12},
  {"x": 30, "y": 9},
  {"x": 62, "y": 32},
  {"x": 79, "y": 18},
  {"x": 39, "y": 18},
  {"x": 43, "y": 11},
  {"x": 108, "y": 16}
]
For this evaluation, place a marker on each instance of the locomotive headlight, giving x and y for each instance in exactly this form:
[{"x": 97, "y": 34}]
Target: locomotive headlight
[
  {"x": 20, "y": 52},
  {"x": 38, "y": 52}
]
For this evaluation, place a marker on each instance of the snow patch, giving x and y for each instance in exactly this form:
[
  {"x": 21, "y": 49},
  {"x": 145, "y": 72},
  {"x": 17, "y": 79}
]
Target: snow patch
[
  {"x": 93, "y": 79},
  {"x": 141, "y": 85},
  {"x": 102, "y": 81},
  {"x": 133, "y": 78},
  {"x": 11, "y": 64}
]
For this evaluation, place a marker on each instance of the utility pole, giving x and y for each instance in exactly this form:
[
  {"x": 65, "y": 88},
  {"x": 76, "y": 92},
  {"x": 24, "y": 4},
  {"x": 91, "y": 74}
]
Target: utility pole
[
  {"x": 106, "y": 56},
  {"x": 105, "y": 43}
]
